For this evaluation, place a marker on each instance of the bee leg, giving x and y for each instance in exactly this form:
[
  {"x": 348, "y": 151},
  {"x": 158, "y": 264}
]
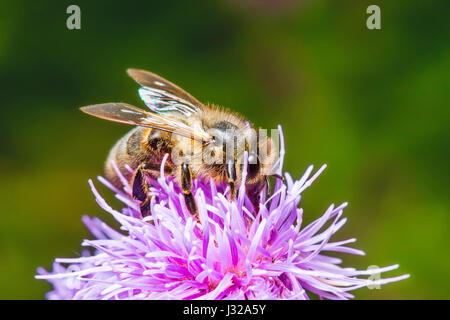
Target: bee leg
[
  {"x": 186, "y": 186},
  {"x": 140, "y": 189},
  {"x": 267, "y": 185},
  {"x": 145, "y": 207},
  {"x": 231, "y": 174},
  {"x": 277, "y": 176},
  {"x": 140, "y": 186},
  {"x": 254, "y": 193}
]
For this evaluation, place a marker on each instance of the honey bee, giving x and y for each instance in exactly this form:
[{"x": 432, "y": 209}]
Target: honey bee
[{"x": 200, "y": 140}]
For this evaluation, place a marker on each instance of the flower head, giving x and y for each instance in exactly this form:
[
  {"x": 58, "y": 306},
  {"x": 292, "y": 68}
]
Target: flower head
[{"x": 227, "y": 252}]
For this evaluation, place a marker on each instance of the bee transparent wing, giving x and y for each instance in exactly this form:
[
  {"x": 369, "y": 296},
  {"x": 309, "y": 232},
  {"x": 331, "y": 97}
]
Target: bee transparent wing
[
  {"x": 125, "y": 113},
  {"x": 118, "y": 112},
  {"x": 164, "y": 97}
]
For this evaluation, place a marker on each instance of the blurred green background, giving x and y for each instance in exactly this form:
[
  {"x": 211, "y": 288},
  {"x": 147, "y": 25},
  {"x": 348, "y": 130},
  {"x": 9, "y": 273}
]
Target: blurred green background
[{"x": 370, "y": 103}]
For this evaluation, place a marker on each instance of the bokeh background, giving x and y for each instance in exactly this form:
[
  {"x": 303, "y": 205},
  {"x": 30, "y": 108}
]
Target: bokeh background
[{"x": 372, "y": 104}]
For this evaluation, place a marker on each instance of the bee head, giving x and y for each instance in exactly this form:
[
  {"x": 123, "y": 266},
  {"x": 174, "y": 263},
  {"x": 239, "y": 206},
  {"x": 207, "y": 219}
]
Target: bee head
[{"x": 231, "y": 141}]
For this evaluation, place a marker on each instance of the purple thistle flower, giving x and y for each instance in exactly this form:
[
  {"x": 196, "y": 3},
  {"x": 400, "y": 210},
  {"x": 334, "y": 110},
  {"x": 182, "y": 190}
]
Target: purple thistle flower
[{"x": 225, "y": 253}]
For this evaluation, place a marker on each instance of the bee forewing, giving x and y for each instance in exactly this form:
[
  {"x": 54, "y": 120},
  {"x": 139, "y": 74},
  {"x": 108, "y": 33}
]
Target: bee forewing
[
  {"x": 162, "y": 96},
  {"x": 125, "y": 113},
  {"x": 118, "y": 112}
]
